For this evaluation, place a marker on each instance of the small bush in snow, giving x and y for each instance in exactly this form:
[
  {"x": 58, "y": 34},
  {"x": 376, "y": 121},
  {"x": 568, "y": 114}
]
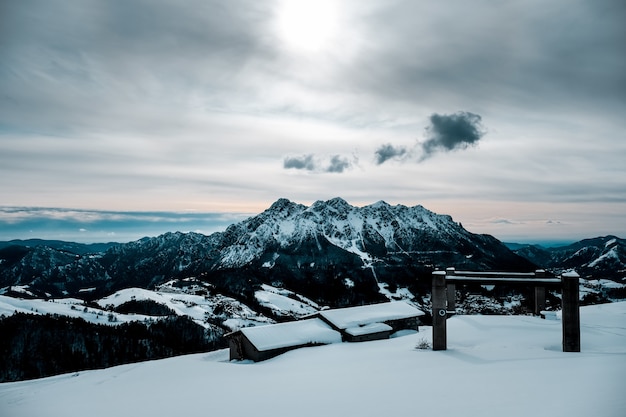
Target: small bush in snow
[{"x": 423, "y": 344}]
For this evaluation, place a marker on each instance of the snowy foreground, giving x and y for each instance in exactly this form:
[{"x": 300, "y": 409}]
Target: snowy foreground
[{"x": 494, "y": 366}]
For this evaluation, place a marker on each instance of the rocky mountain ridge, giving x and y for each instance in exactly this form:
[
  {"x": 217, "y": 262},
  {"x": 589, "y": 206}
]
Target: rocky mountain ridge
[{"x": 331, "y": 251}]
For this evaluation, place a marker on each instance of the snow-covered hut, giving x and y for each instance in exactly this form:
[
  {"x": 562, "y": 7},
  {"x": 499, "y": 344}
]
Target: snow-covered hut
[
  {"x": 372, "y": 322},
  {"x": 352, "y": 324},
  {"x": 263, "y": 342}
]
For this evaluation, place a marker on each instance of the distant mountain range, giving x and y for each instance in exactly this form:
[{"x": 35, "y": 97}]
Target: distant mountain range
[
  {"x": 331, "y": 252},
  {"x": 600, "y": 257},
  {"x": 73, "y": 247}
]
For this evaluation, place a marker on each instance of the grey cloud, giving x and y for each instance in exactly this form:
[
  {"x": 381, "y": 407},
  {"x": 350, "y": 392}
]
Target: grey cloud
[
  {"x": 447, "y": 132},
  {"x": 388, "y": 151},
  {"x": 72, "y": 64},
  {"x": 517, "y": 54},
  {"x": 338, "y": 164},
  {"x": 310, "y": 162},
  {"x": 58, "y": 59},
  {"x": 304, "y": 162}
]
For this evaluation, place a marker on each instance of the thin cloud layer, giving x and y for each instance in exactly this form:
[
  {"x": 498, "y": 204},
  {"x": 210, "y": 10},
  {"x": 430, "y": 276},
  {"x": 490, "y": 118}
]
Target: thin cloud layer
[
  {"x": 565, "y": 56},
  {"x": 104, "y": 226}
]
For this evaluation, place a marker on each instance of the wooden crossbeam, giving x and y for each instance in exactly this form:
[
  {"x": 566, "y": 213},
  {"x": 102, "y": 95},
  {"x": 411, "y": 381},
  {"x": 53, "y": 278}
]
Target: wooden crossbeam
[{"x": 444, "y": 299}]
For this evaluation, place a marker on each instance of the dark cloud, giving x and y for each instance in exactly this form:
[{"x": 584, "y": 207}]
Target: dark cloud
[
  {"x": 305, "y": 162},
  {"x": 388, "y": 151},
  {"x": 335, "y": 164},
  {"x": 338, "y": 164},
  {"x": 448, "y": 132}
]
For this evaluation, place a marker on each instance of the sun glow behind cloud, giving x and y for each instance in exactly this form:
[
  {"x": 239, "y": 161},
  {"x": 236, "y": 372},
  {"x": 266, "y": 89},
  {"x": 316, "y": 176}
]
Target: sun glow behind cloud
[{"x": 307, "y": 26}]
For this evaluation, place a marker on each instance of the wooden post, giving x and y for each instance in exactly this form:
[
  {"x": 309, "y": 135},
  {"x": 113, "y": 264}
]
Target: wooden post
[
  {"x": 439, "y": 311},
  {"x": 540, "y": 300},
  {"x": 451, "y": 292},
  {"x": 570, "y": 312},
  {"x": 540, "y": 294}
]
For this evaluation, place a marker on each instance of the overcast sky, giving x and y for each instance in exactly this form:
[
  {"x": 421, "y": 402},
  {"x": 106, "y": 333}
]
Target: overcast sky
[{"x": 510, "y": 116}]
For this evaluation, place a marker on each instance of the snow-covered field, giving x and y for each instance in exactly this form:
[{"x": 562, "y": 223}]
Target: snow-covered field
[
  {"x": 494, "y": 366},
  {"x": 197, "y": 307}
]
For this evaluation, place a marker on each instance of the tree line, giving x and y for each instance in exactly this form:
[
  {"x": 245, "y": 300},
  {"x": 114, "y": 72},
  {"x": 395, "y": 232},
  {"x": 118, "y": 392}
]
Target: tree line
[{"x": 35, "y": 346}]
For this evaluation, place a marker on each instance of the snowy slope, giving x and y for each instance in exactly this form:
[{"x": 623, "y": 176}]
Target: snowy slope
[
  {"x": 285, "y": 303},
  {"x": 495, "y": 366},
  {"x": 71, "y": 307},
  {"x": 203, "y": 309}
]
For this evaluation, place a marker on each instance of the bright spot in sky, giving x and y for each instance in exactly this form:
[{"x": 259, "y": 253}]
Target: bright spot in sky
[{"x": 306, "y": 25}]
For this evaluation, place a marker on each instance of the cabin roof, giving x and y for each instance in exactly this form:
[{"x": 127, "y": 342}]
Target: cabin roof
[
  {"x": 291, "y": 334},
  {"x": 368, "y": 329},
  {"x": 350, "y": 317}
]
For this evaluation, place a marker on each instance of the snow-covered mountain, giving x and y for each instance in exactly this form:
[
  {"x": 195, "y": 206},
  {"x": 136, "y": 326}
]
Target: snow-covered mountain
[
  {"x": 331, "y": 252},
  {"x": 371, "y": 233},
  {"x": 597, "y": 258}
]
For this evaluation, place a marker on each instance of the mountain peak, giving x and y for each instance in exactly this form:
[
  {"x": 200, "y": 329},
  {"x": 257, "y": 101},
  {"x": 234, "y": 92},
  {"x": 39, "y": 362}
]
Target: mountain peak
[
  {"x": 280, "y": 204},
  {"x": 337, "y": 203},
  {"x": 380, "y": 204},
  {"x": 337, "y": 200},
  {"x": 284, "y": 207}
]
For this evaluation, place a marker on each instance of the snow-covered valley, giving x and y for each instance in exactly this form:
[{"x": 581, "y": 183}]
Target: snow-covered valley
[{"x": 494, "y": 366}]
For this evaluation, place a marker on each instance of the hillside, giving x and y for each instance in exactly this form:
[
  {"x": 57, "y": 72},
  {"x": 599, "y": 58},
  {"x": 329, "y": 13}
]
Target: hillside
[
  {"x": 596, "y": 258},
  {"x": 494, "y": 366}
]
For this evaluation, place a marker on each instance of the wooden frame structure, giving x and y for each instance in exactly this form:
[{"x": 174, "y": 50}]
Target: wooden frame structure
[{"x": 444, "y": 299}]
